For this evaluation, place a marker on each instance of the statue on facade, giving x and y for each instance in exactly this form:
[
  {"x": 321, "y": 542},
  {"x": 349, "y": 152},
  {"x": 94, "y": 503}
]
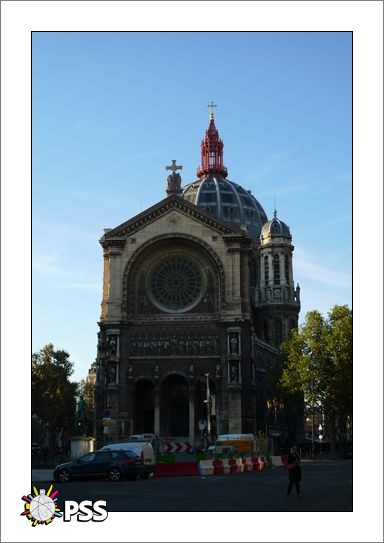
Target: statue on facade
[
  {"x": 234, "y": 373},
  {"x": 234, "y": 344},
  {"x": 174, "y": 180}
]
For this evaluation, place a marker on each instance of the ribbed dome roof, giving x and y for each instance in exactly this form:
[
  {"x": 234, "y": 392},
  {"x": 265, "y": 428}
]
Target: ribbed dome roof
[
  {"x": 227, "y": 200},
  {"x": 275, "y": 227}
]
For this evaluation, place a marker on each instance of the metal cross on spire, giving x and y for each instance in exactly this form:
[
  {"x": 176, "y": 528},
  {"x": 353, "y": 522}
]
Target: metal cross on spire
[{"x": 212, "y": 105}]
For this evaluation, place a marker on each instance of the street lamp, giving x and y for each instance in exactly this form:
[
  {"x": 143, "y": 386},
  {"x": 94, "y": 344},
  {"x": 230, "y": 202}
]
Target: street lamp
[
  {"x": 208, "y": 402},
  {"x": 107, "y": 352},
  {"x": 320, "y": 435},
  {"x": 275, "y": 405}
]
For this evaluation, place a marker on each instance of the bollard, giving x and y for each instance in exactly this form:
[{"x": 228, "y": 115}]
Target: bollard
[
  {"x": 248, "y": 466},
  {"x": 206, "y": 467},
  {"x": 233, "y": 465},
  {"x": 255, "y": 463},
  {"x": 218, "y": 468},
  {"x": 226, "y": 466},
  {"x": 240, "y": 465}
]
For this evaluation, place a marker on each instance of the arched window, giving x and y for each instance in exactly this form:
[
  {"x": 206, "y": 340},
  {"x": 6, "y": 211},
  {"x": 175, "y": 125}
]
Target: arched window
[
  {"x": 266, "y": 270},
  {"x": 276, "y": 270}
]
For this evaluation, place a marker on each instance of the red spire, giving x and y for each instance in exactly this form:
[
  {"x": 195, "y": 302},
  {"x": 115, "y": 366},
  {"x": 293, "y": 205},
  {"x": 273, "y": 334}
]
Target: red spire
[{"x": 211, "y": 152}]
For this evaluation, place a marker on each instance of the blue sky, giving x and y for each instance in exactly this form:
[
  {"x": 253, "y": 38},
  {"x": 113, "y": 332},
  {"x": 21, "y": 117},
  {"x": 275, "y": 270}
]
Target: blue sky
[{"x": 111, "y": 109}]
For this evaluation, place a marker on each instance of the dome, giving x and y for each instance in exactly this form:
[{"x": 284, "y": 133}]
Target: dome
[
  {"x": 227, "y": 200},
  {"x": 275, "y": 228}
]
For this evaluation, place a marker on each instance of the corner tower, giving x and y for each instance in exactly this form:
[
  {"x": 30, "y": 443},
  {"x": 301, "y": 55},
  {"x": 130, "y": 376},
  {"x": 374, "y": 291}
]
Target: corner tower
[{"x": 277, "y": 301}]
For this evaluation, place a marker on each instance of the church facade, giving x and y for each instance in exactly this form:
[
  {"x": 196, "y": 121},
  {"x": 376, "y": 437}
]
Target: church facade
[{"x": 198, "y": 294}]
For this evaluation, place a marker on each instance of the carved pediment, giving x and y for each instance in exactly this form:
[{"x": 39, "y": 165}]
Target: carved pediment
[{"x": 174, "y": 206}]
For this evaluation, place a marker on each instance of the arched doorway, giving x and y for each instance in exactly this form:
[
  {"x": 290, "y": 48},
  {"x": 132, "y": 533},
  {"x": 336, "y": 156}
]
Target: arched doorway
[
  {"x": 144, "y": 420},
  {"x": 174, "y": 412}
]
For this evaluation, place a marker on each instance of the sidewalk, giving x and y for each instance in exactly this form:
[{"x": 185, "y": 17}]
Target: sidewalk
[{"x": 42, "y": 475}]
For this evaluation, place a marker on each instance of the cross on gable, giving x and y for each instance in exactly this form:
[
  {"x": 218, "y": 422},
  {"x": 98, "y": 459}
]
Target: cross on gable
[{"x": 173, "y": 167}]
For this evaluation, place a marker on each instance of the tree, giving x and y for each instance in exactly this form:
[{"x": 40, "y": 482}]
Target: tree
[
  {"x": 53, "y": 395},
  {"x": 317, "y": 361},
  {"x": 86, "y": 392}
]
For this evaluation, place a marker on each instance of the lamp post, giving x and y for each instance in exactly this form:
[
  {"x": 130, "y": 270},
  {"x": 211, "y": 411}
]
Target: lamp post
[
  {"x": 320, "y": 435},
  {"x": 107, "y": 350},
  {"x": 208, "y": 402},
  {"x": 275, "y": 405},
  {"x": 313, "y": 420}
]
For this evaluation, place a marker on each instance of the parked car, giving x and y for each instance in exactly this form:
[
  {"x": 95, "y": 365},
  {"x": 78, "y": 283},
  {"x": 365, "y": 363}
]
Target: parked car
[
  {"x": 143, "y": 449},
  {"x": 115, "y": 465}
]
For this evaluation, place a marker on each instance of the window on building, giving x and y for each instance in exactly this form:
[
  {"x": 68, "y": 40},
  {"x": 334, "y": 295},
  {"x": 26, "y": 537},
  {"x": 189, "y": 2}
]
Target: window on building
[
  {"x": 266, "y": 332},
  {"x": 276, "y": 270},
  {"x": 266, "y": 270},
  {"x": 278, "y": 331},
  {"x": 287, "y": 269}
]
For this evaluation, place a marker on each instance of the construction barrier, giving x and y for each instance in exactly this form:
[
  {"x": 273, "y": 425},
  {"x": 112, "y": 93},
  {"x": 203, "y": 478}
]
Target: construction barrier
[
  {"x": 248, "y": 466},
  {"x": 210, "y": 467},
  {"x": 170, "y": 469},
  {"x": 277, "y": 461},
  {"x": 206, "y": 467},
  {"x": 226, "y": 466},
  {"x": 265, "y": 460},
  {"x": 255, "y": 463},
  {"x": 218, "y": 468}
]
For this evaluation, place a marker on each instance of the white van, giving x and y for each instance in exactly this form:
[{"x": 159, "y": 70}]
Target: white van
[{"x": 143, "y": 449}]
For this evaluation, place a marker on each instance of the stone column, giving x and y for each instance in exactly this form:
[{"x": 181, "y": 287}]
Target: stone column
[
  {"x": 157, "y": 412},
  {"x": 115, "y": 278},
  {"x": 191, "y": 413}
]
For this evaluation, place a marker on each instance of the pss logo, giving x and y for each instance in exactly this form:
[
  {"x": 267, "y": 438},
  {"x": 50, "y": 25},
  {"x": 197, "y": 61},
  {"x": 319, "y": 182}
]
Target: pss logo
[
  {"x": 40, "y": 507},
  {"x": 85, "y": 511}
]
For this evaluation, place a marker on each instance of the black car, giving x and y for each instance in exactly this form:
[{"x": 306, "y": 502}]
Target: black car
[{"x": 99, "y": 464}]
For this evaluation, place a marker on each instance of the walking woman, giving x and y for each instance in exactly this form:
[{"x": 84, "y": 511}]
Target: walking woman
[{"x": 294, "y": 471}]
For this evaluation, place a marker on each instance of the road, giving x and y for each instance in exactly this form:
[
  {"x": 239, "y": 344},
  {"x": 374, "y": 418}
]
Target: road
[{"x": 326, "y": 487}]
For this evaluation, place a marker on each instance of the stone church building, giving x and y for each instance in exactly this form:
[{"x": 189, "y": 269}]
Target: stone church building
[{"x": 198, "y": 294}]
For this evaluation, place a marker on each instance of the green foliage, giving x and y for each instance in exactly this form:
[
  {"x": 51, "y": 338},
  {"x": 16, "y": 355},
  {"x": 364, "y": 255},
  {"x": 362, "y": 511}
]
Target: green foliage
[
  {"x": 317, "y": 361},
  {"x": 86, "y": 391},
  {"x": 53, "y": 395}
]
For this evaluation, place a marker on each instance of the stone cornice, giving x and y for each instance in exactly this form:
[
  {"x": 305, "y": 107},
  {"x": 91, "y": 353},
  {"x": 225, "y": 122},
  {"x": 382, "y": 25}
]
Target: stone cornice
[{"x": 115, "y": 243}]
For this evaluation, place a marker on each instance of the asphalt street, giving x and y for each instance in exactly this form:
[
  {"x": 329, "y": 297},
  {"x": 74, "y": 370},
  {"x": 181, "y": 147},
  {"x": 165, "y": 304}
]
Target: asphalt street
[{"x": 326, "y": 487}]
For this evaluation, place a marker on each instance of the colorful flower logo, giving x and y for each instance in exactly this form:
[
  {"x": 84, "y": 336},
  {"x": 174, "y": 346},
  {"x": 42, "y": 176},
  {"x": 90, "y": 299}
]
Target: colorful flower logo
[{"x": 40, "y": 507}]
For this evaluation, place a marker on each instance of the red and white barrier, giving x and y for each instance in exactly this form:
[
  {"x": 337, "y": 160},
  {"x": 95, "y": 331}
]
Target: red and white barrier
[
  {"x": 226, "y": 466},
  {"x": 206, "y": 467},
  {"x": 255, "y": 463},
  {"x": 232, "y": 465},
  {"x": 218, "y": 468},
  {"x": 248, "y": 466},
  {"x": 277, "y": 461}
]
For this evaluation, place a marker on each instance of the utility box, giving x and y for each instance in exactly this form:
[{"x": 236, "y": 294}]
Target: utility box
[
  {"x": 245, "y": 443},
  {"x": 81, "y": 445}
]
